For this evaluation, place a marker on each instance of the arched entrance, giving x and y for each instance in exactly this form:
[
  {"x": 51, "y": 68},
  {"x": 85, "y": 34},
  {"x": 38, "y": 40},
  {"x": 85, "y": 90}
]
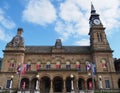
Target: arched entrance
[
  {"x": 33, "y": 83},
  {"x": 57, "y": 84},
  {"x": 68, "y": 84},
  {"x": 119, "y": 83},
  {"x": 90, "y": 84},
  {"x": 81, "y": 84},
  {"x": 24, "y": 83},
  {"x": 45, "y": 84}
]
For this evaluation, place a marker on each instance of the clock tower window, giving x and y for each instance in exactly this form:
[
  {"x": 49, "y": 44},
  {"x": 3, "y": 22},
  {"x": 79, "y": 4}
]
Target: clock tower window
[{"x": 99, "y": 37}]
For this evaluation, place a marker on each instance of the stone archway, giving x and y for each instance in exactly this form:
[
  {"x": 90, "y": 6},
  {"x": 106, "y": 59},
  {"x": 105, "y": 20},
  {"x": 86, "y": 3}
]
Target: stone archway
[
  {"x": 45, "y": 84},
  {"x": 33, "y": 83},
  {"x": 81, "y": 84},
  {"x": 57, "y": 84},
  {"x": 119, "y": 83},
  {"x": 90, "y": 83},
  {"x": 24, "y": 82},
  {"x": 68, "y": 84}
]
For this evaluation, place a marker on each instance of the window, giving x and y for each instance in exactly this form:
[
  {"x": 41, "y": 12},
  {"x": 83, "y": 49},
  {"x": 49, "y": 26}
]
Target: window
[
  {"x": 48, "y": 65},
  {"x": 103, "y": 63},
  {"x": 67, "y": 65},
  {"x": 12, "y": 63},
  {"x": 78, "y": 65},
  {"x": 38, "y": 65},
  {"x": 28, "y": 66},
  {"x": 8, "y": 83},
  {"x": 107, "y": 83},
  {"x": 58, "y": 65}
]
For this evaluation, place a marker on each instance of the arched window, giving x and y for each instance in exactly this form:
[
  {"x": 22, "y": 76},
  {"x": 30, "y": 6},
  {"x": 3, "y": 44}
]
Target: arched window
[
  {"x": 12, "y": 63},
  {"x": 48, "y": 65},
  {"x": 58, "y": 65},
  {"x": 104, "y": 64},
  {"x": 28, "y": 66},
  {"x": 38, "y": 65},
  {"x": 67, "y": 65},
  {"x": 77, "y": 65}
]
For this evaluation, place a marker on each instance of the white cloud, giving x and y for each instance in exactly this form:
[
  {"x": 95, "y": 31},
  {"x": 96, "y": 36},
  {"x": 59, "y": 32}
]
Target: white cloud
[
  {"x": 40, "y": 12},
  {"x": 109, "y": 13},
  {"x": 6, "y": 21},
  {"x": 83, "y": 42},
  {"x": 74, "y": 20},
  {"x": 74, "y": 17},
  {"x": 4, "y": 36}
]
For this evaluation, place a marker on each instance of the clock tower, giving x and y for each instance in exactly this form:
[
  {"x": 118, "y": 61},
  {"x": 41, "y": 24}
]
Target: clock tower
[{"x": 98, "y": 39}]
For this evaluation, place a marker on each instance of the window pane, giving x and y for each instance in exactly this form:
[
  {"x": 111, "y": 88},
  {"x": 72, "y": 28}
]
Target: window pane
[
  {"x": 107, "y": 83},
  {"x": 8, "y": 84}
]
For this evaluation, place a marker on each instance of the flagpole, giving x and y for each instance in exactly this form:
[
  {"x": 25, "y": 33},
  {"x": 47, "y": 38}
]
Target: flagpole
[
  {"x": 92, "y": 77},
  {"x": 20, "y": 75}
]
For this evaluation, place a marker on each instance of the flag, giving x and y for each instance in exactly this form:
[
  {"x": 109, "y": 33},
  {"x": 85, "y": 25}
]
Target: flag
[
  {"x": 11, "y": 65},
  {"x": 94, "y": 69},
  {"x": 48, "y": 65},
  {"x": 38, "y": 66},
  {"x": 24, "y": 69},
  {"x": 28, "y": 67},
  {"x": 19, "y": 69},
  {"x": 68, "y": 66},
  {"x": 78, "y": 65},
  {"x": 104, "y": 65},
  {"x": 88, "y": 66},
  {"x": 57, "y": 65}
]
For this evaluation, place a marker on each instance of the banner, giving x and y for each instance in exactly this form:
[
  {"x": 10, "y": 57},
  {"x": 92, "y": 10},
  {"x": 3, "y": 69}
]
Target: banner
[{"x": 94, "y": 69}]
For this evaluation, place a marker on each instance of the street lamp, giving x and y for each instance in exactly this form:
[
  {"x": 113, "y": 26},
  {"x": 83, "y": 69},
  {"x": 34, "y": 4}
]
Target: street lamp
[
  {"x": 72, "y": 87},
  {"x": 100, "y": 80},
  {"x": 37, "y": 84}
]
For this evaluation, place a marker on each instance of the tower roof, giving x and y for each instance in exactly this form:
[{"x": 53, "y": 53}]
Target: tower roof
[{"x": 92, "y": 8}]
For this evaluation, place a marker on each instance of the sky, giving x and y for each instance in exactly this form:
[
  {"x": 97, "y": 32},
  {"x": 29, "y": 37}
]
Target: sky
[{"x": 44, "y": 21}]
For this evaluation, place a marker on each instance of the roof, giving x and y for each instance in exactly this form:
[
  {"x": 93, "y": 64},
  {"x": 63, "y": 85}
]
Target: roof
[{"x": 66, "y": 49}]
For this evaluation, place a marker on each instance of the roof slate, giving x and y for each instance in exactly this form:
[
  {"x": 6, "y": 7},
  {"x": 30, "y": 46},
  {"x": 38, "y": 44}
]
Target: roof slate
[{"x": 48, "y": 49}]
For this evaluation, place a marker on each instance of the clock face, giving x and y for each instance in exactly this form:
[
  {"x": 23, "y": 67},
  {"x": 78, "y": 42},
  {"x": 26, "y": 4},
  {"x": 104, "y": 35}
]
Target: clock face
[{"x": 96, "y": 21}]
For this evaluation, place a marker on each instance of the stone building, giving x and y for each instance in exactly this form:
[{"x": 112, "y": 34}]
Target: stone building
[
  {"x": 0, "y": 63},
  {"x": 60, "y": 68}
]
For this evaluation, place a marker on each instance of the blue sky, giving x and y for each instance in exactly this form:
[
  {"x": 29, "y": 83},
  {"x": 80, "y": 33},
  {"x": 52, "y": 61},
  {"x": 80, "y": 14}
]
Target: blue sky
[{"x": 44, "y": 21}]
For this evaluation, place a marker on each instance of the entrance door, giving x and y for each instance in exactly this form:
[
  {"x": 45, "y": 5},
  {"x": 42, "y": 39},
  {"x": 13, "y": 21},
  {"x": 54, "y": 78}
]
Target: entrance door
[
  {"x": 81, "y": 84},
  {"x": 24, "y": 84},
  {"x": 58, "y": 84},
  {"x": 68, "y": 84},
  {"x": 119, "y": 83},
  {"x": 45, "y": 84}
]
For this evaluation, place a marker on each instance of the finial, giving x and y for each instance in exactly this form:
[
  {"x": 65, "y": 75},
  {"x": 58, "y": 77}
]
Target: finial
[{"x": 19, "y": 31}]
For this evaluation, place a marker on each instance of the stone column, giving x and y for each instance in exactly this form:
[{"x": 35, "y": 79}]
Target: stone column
[
  {"x": 76, "y": 87},
  {"x": 51, "y": 86},
  {"x": 86, "y": 84},
  {"x": 64, "y": 86}
]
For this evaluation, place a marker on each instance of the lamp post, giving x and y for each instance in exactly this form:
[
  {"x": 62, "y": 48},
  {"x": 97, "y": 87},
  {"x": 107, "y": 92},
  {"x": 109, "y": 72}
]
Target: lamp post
[
  {"x": 37, "y": 84},
  {"x": 100, "y": 82},
  {"x": 72, "y": 87},
  {"x": 11, "y": 82}
]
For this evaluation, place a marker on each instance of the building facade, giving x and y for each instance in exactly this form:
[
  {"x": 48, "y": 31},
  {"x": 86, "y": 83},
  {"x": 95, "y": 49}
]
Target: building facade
[{"x": 60, "y": 68}]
